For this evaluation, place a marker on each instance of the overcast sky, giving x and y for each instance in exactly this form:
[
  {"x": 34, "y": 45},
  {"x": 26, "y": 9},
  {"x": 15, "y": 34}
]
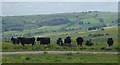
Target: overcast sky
[
  {"x": 35, "y": 7},
  {"x": 21, "y": 8},
  {"x": 59, "y": 0}
]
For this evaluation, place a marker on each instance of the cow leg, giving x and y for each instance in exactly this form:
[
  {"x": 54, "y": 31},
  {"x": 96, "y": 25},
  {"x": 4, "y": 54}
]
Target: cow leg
[
  {"x": 61, "y": 44},
  {"x": 14, "y": 42},
  {"x": 81, "y": 44},
  {"x": 32, "y": 44},
  {"x": 78, "y": 43},
  {"x": 22, "y": 44},
  {"x": 109, "y": 44}
]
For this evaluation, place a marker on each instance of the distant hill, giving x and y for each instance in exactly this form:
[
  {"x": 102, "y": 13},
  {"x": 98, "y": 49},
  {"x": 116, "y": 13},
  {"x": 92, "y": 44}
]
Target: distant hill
[{"x": 38, "y": 24}]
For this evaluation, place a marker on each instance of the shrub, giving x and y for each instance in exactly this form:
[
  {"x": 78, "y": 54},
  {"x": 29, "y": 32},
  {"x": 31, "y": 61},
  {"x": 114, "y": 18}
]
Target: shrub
[
  {"x": 27, "y": 58},
  {"x": 69, "y": 54},
  {"x": 102, "y": 48}
]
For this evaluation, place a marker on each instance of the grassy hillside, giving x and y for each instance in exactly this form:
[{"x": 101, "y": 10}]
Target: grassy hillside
[{"x": 55, "y": 23}]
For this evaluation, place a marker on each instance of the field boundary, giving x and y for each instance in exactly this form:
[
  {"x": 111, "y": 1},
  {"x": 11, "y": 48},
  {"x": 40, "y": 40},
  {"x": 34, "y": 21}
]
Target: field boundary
[{"x": 56, "y": 52}]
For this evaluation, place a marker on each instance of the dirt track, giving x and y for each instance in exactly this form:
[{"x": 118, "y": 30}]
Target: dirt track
[{"x": 56, "y": 52}]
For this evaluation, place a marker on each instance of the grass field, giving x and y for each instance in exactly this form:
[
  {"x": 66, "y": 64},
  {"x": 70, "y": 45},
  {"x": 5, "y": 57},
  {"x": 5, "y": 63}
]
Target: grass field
[
  {"x": 10, "y": 47},
  {"x": 61, "y": 58}
]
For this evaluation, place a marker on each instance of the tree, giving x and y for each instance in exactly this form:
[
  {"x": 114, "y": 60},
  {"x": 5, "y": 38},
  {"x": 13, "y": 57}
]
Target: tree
[
  {"x": 81, "y": 23},
  {"x": 88, "y": 22},
  {"x": 92, "y": 28},
  {"x": 101, "y": 20}
]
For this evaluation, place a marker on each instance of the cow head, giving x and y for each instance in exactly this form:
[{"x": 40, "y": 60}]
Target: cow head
[
  {"x": 12, "y": 39},
  {"x": 110, "y": 39},
  {"x": 59, "y": 38},
  {"x": 38, "y": 39}
]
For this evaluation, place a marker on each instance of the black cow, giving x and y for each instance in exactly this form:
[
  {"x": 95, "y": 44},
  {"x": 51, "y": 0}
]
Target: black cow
[
  {"x": 60, "y": 42},
  {"x": 89, "y": 43},
  {"x": 15, "y": 40},
  {"x": 110, "y": 41},
  {"x": 43, "y": 40},
  {"x": 24, "y": 40},
  {"x": 79, "y": 41},
  {"x": 67, "y": 41}
]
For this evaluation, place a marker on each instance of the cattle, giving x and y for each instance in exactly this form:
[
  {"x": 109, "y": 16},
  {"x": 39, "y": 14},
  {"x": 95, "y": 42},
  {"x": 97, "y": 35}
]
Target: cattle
[
  {"x": 59, "y": 42},
  {"x": 15, "y": 40},
  {"x": 43, "y": 40},
  {"x": 24, "y": 40},
  {"x": 67, "y": 41},
  {"x": 89, "y": 43},
  {"x": 110, "y": 41},
  {"x": 79, "y": 41}
]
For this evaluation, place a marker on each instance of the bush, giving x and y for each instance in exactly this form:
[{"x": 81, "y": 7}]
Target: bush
[
  {"x": 27, "y": 58},
  {"x": 102, "y": 48},
  {"x": 69, "y": 54}
]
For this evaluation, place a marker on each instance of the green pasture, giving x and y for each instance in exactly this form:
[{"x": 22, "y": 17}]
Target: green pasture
[{"x": 61, "y": 58}]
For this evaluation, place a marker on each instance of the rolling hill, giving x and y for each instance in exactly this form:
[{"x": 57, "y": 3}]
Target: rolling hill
[{"x": 48, "y": 24}]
